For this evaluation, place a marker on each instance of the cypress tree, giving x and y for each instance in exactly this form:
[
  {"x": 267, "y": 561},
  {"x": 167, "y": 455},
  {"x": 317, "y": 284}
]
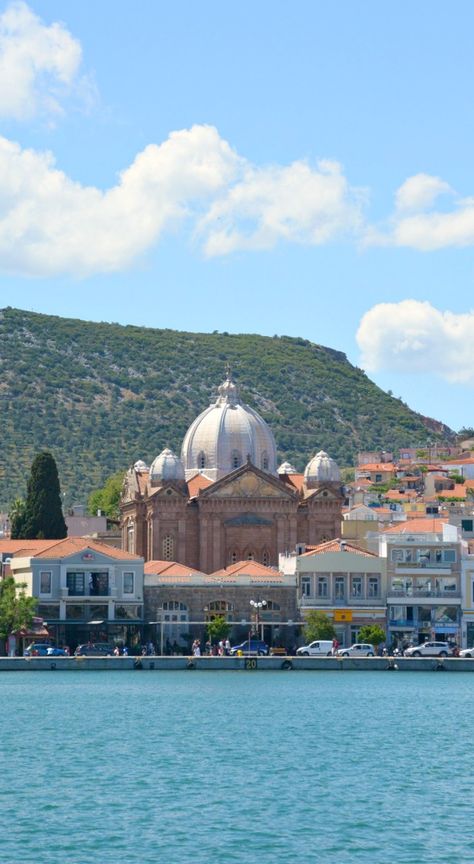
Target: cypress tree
[{"x": 43, "y": 515}]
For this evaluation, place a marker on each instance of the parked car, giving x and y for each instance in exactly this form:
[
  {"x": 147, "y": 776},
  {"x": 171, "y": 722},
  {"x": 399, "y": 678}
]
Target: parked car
[
  {"x": 359, "y": 649},
  {"x": 466, "y": 652},
  {"x": 94, "y": 649},
  {"x": 320, "y": 646},
  {"x": 429, "y": 649},
  {"x": 56, "y": 652},
  {"x": 37, "y": 649},
  {"x": 254, "y": 646}
]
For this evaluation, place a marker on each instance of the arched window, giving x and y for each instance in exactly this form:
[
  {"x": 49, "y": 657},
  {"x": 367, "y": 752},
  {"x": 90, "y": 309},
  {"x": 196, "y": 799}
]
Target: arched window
[
  {"x": 131, "y": 537},
  {"x": 266, "y": 557},
  {"x": 233, "y": 556},
  {"x": 272, "y": 606},
  {"x": 218, "y": 607},
  {"x": 168, "y": 547},
  {"x": 250, "y": 556},
  {"x": 265, "y": 461},
  {"x": 201, "y": 460},
  {"x": 236, "y": 459}
]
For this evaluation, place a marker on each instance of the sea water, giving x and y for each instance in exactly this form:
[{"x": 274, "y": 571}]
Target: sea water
[{"x": 197, "y": 767}]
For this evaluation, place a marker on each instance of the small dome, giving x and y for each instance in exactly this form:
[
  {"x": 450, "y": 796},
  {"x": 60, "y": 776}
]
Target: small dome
[
  {"x": 166, "y": 466},
  {"x": 321, "y": 469},
  {"x": 141, "y": 466},
  {"x": 287, "y": 468},
  {"x": 226, "y": 435}
]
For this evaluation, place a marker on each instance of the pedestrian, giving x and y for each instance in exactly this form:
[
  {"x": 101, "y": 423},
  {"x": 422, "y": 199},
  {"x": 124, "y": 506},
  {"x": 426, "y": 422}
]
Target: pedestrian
[
  {"x": 116, "y": 651},
  {"x": 227, "y": 647},
  {"x": 125, "y": 651}
]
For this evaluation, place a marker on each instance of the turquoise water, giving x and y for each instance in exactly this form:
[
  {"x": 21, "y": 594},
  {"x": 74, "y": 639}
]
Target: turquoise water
[{"x": 183, "y": 767}]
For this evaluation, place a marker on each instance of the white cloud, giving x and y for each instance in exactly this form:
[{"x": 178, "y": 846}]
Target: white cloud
[
  {"x": 419, "y": 192},
  {"x": 38, "y": 63},
  {"x": 295, "y": 203},
  {"x": 413, "y": 336},
  {"x": 49, "y": 224}
]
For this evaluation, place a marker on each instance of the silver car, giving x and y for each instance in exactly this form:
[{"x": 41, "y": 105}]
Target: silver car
[
  {"x": 360, "y": 649},
  {"x": 429, "y": 649}
]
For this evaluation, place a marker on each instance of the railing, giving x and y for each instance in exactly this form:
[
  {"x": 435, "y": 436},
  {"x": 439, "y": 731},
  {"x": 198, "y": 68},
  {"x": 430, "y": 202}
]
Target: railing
[
  {"x": 312, "y": 600},
  {"x": 87, "y": 592},
  {"x": 421, "y": 592},
  {"x": 422, "y": 565}
]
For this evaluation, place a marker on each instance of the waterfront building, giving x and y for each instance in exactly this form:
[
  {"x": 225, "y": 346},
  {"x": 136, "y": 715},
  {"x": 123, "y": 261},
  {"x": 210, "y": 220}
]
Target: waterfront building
[
  {"x": 423, "y": 581},
  {"x": 225, "y": 499},
  {"x": 181, "y": 601},
  {"x": 86, "y": 591},
  {"x": 345, "y": 581}
]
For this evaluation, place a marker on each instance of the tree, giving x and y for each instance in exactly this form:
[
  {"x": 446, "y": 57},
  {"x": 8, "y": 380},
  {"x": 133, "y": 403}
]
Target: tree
[
  {"x": 42, "y": 516},
  {"x": 372, "y": 633},
  {"x": 16, "y": 516},
  {"x": 318, "y": 625},
  {"x": 16, "y": 609},
  {"x": 218, "y": 629},
  {"x": 108, "y": 497}
]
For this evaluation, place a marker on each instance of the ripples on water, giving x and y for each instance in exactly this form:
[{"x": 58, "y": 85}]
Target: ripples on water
[{"x": 222, "y": 767}]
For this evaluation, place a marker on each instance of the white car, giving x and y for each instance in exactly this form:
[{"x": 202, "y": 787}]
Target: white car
[
  {"x": 467, "y": 652},
  {"x": 320, "y": 646},
  {"x": 360, "y": 649},
  {"x": 429, "y": 649}
]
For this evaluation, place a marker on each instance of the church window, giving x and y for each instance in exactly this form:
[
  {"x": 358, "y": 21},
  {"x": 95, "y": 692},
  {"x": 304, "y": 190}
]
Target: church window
[
  {"x": 130, "y": 537},
  {"x": 168, "y": 547},
  {"x": 265, "y": 461},
  {"x": 250, "y": 556},
  {"x": 236, "y": 459},
  {"x": 218, "y": 608},
  {"x": 234, "y": 556},
  {"x": 201, "y": 460},
  {"x": 266, "y": 558}
]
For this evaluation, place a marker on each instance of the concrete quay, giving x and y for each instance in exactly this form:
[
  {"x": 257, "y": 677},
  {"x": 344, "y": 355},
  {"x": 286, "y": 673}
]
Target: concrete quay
[{"x": 248, "y": 664}]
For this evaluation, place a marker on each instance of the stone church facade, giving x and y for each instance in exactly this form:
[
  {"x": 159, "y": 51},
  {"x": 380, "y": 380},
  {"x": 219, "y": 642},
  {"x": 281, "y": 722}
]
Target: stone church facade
[{"x": 225, "y": 500}]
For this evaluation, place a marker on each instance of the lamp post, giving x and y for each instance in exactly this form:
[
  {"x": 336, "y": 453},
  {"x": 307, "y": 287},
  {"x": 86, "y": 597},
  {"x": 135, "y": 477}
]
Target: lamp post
[{"x": 257, "y": 606}]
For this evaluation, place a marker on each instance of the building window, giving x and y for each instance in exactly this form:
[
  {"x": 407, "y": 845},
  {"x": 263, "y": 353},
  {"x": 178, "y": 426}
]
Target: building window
[
  {"x": 373, "y": 586},
  {"x": 397, "y": 554},
  {"x": 218, "y": 608},
  {"x": 130, "y": 537},
  {"x": 306, "y": 586},
  {"x": 356, "y": 586},
  {"x": 449, "y": 556},
  {"x": 45, "y": 582},
  {"x": 236, "y": 459},
  {"x": 201, "y": 460},
  {"x": 76, "y": 584},
  {"x": 322, "y": 586},
  {"x": 234, "y": 556},
  {"x": 129, "y": 583},
  {"x": 339, "y": 588},
  {"x": 266, "y": 558},
  {"x": 250, "y": 556},
  {"x": 168, "y": 547},
  {"x": 467, "y": 525},
  {"x": 265, "y": 461}
]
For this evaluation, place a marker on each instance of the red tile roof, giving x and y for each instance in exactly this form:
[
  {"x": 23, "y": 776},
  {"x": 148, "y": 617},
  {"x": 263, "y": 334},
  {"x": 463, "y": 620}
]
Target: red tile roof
[
  {"x": 71, "y": 545},
  {"x": 199, "y": 481},
  {"x": 169, "y": 568},
  {"x": 338, "y": 545},
  {"x": 377, "y": 466},
  {"x": 424, "y": 525},
  {"x": 295, "y": 480}
]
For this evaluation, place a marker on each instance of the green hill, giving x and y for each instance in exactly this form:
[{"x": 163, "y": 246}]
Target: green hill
[{"x": 100, "y": 396}]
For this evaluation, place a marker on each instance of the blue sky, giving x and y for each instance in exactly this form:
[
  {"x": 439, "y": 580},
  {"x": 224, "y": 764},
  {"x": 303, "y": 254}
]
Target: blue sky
[{"x": 300, "y": 169}]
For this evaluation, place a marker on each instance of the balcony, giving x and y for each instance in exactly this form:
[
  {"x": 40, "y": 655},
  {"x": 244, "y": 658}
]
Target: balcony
[
  {"x": 414, "y": 591},
  {"x": 340, "y": 602}
]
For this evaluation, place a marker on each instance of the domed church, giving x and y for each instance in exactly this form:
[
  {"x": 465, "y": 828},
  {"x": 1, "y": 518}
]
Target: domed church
[{"x": 224, "y": 499}]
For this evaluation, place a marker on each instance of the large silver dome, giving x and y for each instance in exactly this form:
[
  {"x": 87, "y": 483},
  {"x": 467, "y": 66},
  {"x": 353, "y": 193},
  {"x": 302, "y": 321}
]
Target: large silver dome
[
  {"x": 321, "y": 469},
  {"x": 225, "y": 435}
]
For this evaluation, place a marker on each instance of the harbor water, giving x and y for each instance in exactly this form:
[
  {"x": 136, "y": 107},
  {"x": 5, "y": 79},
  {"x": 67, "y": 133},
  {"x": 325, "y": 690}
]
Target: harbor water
[{"x": 195, "y": 767}]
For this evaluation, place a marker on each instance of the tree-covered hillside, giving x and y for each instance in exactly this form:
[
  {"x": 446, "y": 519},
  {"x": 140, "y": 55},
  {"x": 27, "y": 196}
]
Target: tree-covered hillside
[{"x": 100, "y": 396}]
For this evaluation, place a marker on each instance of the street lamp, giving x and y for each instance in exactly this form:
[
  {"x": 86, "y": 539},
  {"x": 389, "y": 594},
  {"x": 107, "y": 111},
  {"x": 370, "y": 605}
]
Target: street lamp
[{"x": 257, "y": 606}]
